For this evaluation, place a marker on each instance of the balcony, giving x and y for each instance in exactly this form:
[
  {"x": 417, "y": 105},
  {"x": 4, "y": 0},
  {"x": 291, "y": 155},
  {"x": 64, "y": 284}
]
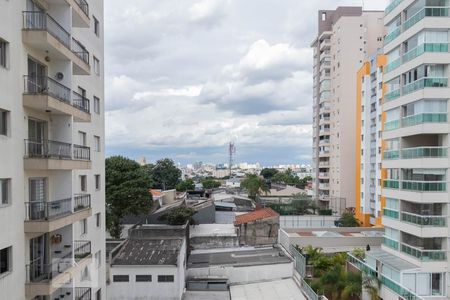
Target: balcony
[
  {"x": 392, "y": 6},
  {"x": 80, "y": 13},
  {"x": 53, "y": 155},
  {"x": 417, "y": 119},
  {"x": 423, "y": 48},
  {"x": 393, "y": 244},
  {"x": 426, "y": 82},
  {"x": 424, "y": 186},
  {"x": 416, "y": 153},
  {"x": 392, "y": 35},
  {"x": 45, "y": 34},
  {"x": 393, "y": 65},
  {"x": 423, "y": 220},
  {"x": 42, "y": 216},
  {"x": 428, "y": 11},
  {"x": 424, "y": 255},
  {"x": 82, "y": 293},
  {"x": 47, "y": 95},
  {"x": 393, "y": 214},
  {"x": 324, "y": 186},
  {"x": 392, "y": 95}
]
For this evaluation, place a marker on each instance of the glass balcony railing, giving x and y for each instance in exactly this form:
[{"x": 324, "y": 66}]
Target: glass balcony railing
[
  {"x": 391, "y": 184},
  {"x": 421, "y": 49},
  {"x": 425, "y": 82},
  {"x": 424, "y": 152},
  {"x": 424, "y": 221},
  {"x": 393, "y": 214},
  {"x": 393, "y": 65},
  {"x": 398, "y": 289},
  {"x": 391, "y": 125},
  {"x": 392, "y": 35},
  {"x": 429, "y": 11},
  {"x": 392, "y": 6},
  {"x": 424, "y": 186},
  {"x": 390, "y": 243},
  {"x": 392, "y": 95},
  {"x": 424, "y": 118},
  {"x": 391, "y": 154},
  {"x": 424, "y": 255}
]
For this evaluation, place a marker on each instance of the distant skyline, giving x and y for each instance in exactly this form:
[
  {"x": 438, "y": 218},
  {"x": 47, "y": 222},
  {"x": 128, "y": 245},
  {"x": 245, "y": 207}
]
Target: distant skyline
[{"x": 183, "y": 79}]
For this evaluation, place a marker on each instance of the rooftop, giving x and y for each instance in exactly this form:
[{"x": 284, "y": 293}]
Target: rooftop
[
  {"x": 255, "y": 215},
  {"x": 285, "y": 289},
  {"x": 391, "y": 260},
  {"x": 212, "y": 230},
  {"x": 253, "y": 257}
]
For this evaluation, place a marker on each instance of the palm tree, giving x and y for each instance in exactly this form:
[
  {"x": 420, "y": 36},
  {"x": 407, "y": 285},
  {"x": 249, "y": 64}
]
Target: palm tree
[
  {"x": 254, "y": 185},
  {"x": 339, "y": 284},
  {"x": 371, "y": 285}
]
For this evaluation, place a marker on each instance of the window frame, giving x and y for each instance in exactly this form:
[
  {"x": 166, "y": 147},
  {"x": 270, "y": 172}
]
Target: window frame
[
  {"x": 83, "y": 227},
  {"x": 4, "y": 54},
  {"x": 4, "y": 122},
  {"x": 83, "y": 183},
  {"x": 166, "y": 278},
  {"x": 143, "y": 278},
  {"x": 96, "y": 26},
  {"x": 97, "y": 143},
  {"x": 96, "y": 105},
  {"x": 97, "y": 182},
  {"x": 9, "y": 261},
  {"x": 121, "y": 277},
  {"x": 98, "y": 220},
  {"x": 5, "y": 182},
  {"x": 96, "y": 66}
]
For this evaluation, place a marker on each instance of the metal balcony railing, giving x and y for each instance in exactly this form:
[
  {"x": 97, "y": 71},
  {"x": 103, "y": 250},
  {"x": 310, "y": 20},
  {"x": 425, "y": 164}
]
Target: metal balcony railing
[
  {"x": 55, "y": 150},
  {"x": 82, "y": 293},
  {"x": 43, "y": 210},
  {"x": 79, "y": 50},
  {"x": 43, "y": 85},
  {"x": 39, "y": 270},
  {"x": 37, "y": 20},
  {"x": 82, "y": 249},
  {"x": 84, "y": 6},
  {"x": 81, "y": 102},
  {"x": 81, "y": 201},
  {"x": 81, "y": 152}
]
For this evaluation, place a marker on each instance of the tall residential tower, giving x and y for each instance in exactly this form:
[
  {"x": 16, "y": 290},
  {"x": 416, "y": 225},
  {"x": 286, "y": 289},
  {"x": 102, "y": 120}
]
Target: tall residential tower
[{"x": 52, "y": 203}]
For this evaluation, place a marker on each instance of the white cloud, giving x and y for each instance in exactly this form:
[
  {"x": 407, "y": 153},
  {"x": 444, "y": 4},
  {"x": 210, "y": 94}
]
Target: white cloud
[{"x": 208, "y": 11}]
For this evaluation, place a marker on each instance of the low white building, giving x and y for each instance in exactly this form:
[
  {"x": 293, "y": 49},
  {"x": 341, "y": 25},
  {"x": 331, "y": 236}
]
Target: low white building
[{"x": 149, "y": 265}]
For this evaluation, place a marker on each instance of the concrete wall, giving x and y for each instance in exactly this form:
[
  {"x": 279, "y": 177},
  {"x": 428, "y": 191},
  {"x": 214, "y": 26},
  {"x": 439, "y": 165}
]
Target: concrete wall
[
  {"x": 260, "y": 232},
  {"x": 307, "y": 221},
  {"x": 209, "y": 242},
  {"x": 205, "y": 215}
]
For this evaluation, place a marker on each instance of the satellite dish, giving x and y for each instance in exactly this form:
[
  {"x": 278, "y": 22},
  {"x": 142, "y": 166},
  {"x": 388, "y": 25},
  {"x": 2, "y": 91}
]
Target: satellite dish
[{"x": 59, "y": 76}]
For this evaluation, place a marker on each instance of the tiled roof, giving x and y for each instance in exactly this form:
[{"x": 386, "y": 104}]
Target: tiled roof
[
  {"x": 155, "y": 193},
  {"x": 255, "y": 215}
]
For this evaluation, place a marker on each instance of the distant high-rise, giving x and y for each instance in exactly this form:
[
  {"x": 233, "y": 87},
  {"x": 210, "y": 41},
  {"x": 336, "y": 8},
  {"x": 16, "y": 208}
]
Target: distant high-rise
[{"x": 345, "y": 37}]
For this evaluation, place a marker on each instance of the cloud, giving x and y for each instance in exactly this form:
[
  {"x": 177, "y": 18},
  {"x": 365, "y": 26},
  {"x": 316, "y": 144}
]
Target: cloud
[{"x": 208, "y": 12}]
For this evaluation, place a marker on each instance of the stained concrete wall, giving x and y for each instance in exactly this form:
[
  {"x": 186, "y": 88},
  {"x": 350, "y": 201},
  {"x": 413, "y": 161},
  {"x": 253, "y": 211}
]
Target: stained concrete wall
[{"x": 259, "y": 232}]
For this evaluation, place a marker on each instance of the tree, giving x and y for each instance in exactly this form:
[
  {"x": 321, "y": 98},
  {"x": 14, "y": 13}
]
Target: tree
[
  {"x": 179, "y": 216},
  {"x": 338, "y": 284},
  {"x": 268, "y": 173},
  {"x": 254, "y": 185},
  {"x": 359, "y": 253},
  {"x": 371, "y": 285},
  {"x": 186, "y": 185},
  {"x": 165, "y": 174},
  {"x": 348, "y": 219},
  {"x": 286, "y": 177},
  {"x": 210, "y": 184},
  {"x": 127, "y": 191}
]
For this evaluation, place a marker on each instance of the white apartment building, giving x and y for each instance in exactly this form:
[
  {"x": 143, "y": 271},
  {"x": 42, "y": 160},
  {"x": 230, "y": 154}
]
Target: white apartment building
[
  {"x": 414, "y": 260},
  {"x": 345, "y": 36},
  {"x": 52, "y": 203}
]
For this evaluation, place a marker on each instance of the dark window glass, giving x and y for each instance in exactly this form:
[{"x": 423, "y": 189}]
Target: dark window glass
[
  {"x": 121, "y": 278},
  {"x": 143, "y": 278},
  {"x": 165, "y": 278}
]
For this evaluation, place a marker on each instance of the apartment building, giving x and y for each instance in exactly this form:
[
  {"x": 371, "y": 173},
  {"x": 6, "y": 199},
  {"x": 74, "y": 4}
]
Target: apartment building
[
  {"x": 369, "y": 99},
  {"x": 413, "y": 261},
  {"x": 345, "y": 37},
  {"x": 52, "y": 204}
]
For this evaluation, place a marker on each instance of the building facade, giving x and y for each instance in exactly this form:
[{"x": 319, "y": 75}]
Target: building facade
[
  {"x": 52, "y": 204},
  {"x": 345, "y": 37},
  {"x": 369, "y": 98}
]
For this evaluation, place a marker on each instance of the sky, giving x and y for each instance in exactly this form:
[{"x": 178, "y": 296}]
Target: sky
[{"x": 184, "y": 78}]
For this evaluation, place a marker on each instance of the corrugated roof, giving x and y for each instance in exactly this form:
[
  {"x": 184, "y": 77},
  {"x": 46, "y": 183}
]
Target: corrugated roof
[{"x": 255, "y": 215}]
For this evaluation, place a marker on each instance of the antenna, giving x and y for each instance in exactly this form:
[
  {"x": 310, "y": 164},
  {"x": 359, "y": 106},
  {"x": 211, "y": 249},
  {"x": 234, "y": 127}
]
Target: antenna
[{"x": 231, "y": 152}]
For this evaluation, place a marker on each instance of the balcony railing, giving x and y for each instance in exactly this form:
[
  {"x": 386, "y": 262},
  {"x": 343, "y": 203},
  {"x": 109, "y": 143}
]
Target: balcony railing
[
  {"x": 81, "y": 102},
  {"x": 393, "y": 65},
  {"x": 416, "y": 120},
  {"x": 392, "y": 95},
  {"x": 36, "y": 85},
  {"x": 84, "y": 6},
  {"x": 38, "y": 270},
  {"x": 422, "y": 48},
  {"x": 425, "y": 82},
  {"x": 424, "y": 186},
  {"x": 82, "y": 293},
  {"x": 79, "y": 50},
  {"x": 393, "y": 214},
  {"x": 398, "y": 289},
  {"x": 391, "y": 154},
  {"x": 390, "y": 243},
  {"x": 43, "y": 210},
  {"x": 416, "y": 152},
  {"x": 424, "y": 220},
  {"x": 81, "y": 249},
  {"x": 81, "y": 201},
  {"x": 392, "y": 35},
  {"x": 429, "y": 11},
  {"x": 392, "y": 6},
  {"x": 55, "y": 150},
  {"x": 424, "y": 255},
  {"x": 391, "y": 184},
  {"x": 37, "y": 20}
]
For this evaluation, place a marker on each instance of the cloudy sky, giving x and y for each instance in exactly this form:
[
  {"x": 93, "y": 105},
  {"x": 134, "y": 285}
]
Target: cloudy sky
[{"x": 185, "y": 77}]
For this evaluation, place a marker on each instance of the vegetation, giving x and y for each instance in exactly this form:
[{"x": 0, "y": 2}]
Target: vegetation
[
  {"x": 359, "y": 253},
  {"x": 179, "y": 216},
  {"x": 348, "y": 219},
  {"x": 185, "y": 185},
  {"x": 254, "y": 185},
  {"x": 127, "y": 185},
  {"x": 268, "y": 173},
  {"x": 165, "y": 174},
  {"x": 325, "y": 212},
  {"x": 210, "y": 184},
  {"x": 287, "y": 177},
  {"x": 301, "y": 204}
]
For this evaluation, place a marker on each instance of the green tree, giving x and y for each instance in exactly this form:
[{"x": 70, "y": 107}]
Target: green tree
[
  {"x": 359, "y": 253},
  {"x": 210, "y": 184},
  {"x": 254, "y": 185},
  {"x": 186, "y": 185},
  {"x": 371, "y": 285},
  {"x": 286, "y": 177},
  {"x": 348, "y": 219},
  {"x": 165, "y": 174},
  {"x": 179, "y": 216},
  {"x": 127, "y": 191},
  {"x": 268, "y": 173},
  {"x": 338, "y": 284}
]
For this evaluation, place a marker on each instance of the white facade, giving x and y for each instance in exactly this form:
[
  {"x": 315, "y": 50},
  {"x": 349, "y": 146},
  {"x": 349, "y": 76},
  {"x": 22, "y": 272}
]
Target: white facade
[{"x": 51, "y": 216}]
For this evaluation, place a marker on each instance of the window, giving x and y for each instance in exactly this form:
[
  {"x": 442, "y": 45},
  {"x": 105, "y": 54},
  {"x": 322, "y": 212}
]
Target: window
[
  {"x": 83, "y": 226},
  {"x": 96, "y": 105},
  {"x": 143, "y": 278},
  {"x": 4, "y": 119},
  {"x": 96, "y": 66},
  {"x": 98, "y": 295},
  {"x": 98, "y": 220},
  {"x": 5, "y": 194},
  {"x": 5, "y": 260},
  {"x": 96, "y": 27},
  {"x": 98, "y": 259},
  {"x": 3, "y": 53},
  {"x": 83, "y": 183},
  {"x": 85, "y": 276},
  {"x": 165, "y": 278},
  {"x": 82, "y": 138},
  {"x": 121, "y": 278},
  {"x": 96, "y": 143},
  {"x": 97, "y": 182}
]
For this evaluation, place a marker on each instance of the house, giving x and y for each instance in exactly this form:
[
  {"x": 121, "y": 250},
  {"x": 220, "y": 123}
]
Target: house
[
  {"x": 149, "y": 264},
  {"x": 259, "y": 227},
  {"x": 233, "y": 182}
]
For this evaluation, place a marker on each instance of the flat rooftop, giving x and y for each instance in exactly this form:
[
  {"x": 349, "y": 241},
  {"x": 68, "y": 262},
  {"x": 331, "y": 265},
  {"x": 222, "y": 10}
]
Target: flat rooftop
[
  {"x": 285, "y": 289},
  {"x": 206, "y": 295},
  {"x": 329, "y": 233},
  {"x": 204, "y": 230},
  {"x": 238, "y": 258}
]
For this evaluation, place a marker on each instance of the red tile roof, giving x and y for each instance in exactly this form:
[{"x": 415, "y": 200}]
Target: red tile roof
[
  {"x": 155, "y": 193},
  {"x": 255, "y": 215}
]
